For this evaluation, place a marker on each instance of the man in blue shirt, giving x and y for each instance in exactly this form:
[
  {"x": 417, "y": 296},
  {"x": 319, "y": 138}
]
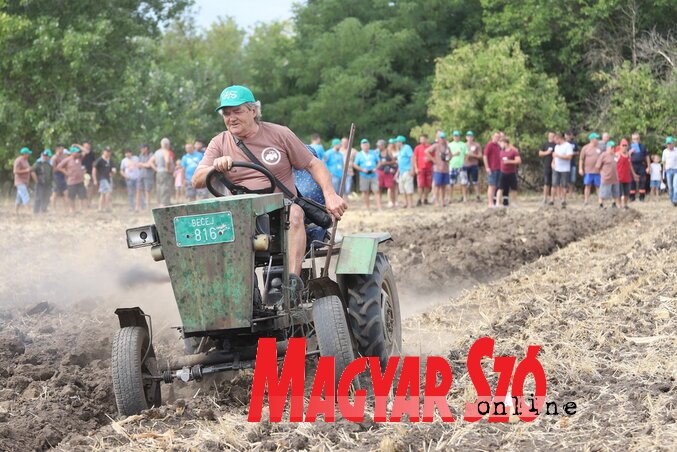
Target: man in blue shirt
[
  {"x": 316, "y": 144},
  {"x": 189, "y": 163},
  {"x": 365, "y": 163},
  {"x": 333, "y": 158},
  {"x": 405, "y": 172}
]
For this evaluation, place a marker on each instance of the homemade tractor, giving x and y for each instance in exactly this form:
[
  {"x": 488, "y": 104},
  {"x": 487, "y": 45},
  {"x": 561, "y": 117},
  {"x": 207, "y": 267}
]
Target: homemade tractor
[{"x": 228, "y": 264}]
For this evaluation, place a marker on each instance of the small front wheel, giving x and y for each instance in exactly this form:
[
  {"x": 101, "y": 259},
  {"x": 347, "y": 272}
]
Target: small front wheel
[
  {"x": 132, "y": 363},
  {"x": 333, "y": 336}
]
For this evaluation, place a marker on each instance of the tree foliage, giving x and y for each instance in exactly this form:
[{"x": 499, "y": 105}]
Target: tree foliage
[
  {"x": 132, "y": 71},
  {"x": 489, "y": 86}
]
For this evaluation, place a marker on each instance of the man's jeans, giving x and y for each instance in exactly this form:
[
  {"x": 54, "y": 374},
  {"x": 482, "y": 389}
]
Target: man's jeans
[
  {"x": 131, "y": 192},
  {"x": 671, "y": 176}
]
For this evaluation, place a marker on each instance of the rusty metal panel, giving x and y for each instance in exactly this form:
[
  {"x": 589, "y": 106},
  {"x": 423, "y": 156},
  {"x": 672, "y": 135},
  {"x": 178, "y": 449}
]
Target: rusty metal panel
[
  {"x": 213, "y": 284},
  {"x": 358, "y": 253}
]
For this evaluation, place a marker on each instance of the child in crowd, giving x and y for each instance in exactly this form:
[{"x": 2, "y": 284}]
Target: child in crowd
[
  {"x": 178, "y": 181},
  {"x": 625, "y": 171},
  {"x": 656, "y": 176},
  {"x": 607, "y": 167}
]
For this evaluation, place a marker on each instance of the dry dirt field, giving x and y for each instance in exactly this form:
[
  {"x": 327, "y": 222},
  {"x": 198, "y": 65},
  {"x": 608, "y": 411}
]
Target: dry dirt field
[{"x": 595, "y": 288}]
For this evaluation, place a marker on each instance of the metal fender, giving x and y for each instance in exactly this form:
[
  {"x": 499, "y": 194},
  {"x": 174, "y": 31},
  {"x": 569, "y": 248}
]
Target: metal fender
[{"x": 358, "y": 253}]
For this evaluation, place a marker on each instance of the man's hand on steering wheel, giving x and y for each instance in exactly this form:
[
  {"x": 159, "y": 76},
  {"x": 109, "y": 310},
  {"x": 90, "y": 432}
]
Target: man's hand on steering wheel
[{"x": 223, "y": 164}]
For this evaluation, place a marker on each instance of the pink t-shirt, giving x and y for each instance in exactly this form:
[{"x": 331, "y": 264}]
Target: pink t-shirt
[
  {"x": 75, "y": 170},
  {"x": 508, "y": 154},
  {"x": 275, "y": 146},
  {"x": 21, "y": 164}
]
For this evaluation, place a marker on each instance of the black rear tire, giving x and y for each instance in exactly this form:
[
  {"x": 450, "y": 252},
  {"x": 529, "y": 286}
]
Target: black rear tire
[
  {"x": 333, "y": 336},
  {"x": 374, "y": 311},
  {"x": 133, "y": 392}
]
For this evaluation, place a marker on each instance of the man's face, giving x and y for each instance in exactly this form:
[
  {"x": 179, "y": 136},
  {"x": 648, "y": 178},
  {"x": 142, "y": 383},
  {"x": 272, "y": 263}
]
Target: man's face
[
  {"x": 469, "y": 138},
  {"x": 128, "y": 154},
  {"x": 199, "y": 144},
  {"x": 239, "y": 120},
  {"x": 551, "y": 137},
  {"x": 344, "y": 143},
  {"x": 364, "y": 147},
  {"x": 423, "y": 139},
  {"x": 594, "y": 142},
  {"x": 457, "y": 138},
  {"x": 106, "y": 154},
  {"x": 87, "y": 146},
  {"x": 635, "y": 138},
  {"x": 495, "y": 137},
  {"x": 605, "y": 137},
  {"x": 144, "y": 150},
  {"x": 671, "y": 146},
  {"x": 189, "y": 149}
]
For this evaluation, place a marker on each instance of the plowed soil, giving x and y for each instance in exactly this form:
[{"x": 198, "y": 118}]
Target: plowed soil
[{"x": 575, "y": 281}]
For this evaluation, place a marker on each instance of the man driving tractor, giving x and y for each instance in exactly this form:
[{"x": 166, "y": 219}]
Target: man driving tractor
[{"x": 278, "y": 149}]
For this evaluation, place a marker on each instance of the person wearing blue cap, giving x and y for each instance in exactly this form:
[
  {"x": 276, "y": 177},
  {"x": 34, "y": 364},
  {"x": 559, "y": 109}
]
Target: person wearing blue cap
[
  {"x": 41, "y": 173},
  {"x": 22, "y": 175},
  {"x": 333, "y": 159},
  {"x": 365, "y": 163},
  {"x": 278, "y": 149},
  {"x": 669, "y": 159},
  {"x": 587, "y": 166},
  {"x": 75, "y": 171},
  {"x": 405, "y": 170},
  {"x": 60, "y": 186}
]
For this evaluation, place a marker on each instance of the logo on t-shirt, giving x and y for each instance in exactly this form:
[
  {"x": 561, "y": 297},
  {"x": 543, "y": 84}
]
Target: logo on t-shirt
[{"x": 271, "y": 156}]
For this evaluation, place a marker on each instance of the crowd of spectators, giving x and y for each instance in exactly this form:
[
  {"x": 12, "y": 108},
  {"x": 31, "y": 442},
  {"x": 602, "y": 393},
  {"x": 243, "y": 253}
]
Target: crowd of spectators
[{"x": 439, "y": 172}]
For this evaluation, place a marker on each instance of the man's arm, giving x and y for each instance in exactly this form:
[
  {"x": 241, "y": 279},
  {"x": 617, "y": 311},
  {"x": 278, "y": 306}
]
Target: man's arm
[
  {"x": 94, "y": 181},
  {"x": 334, "y": 203},
  {"x": 199, "y": 179}
]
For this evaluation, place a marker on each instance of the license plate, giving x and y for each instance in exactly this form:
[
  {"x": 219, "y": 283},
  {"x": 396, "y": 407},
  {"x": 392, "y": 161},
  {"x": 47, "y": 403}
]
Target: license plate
[{"x": 205, "y": 229}]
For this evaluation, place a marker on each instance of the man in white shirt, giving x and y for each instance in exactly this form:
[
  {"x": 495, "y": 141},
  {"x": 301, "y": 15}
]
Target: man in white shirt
[
  {"x": 670, "y": 166},
  {"x": 561, "y": 165}
]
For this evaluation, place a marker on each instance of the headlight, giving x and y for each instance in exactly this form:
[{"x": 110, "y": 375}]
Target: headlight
[{"x": 142, "y": 236}]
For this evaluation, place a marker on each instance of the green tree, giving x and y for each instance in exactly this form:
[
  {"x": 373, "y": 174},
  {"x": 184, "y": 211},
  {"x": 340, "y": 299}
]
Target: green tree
[
  {"x": 369, "y": 62},
  {"x": 66, "y": 70},
  {"x": 636, "y": 101},
  {"x": 489, "y": 86}
]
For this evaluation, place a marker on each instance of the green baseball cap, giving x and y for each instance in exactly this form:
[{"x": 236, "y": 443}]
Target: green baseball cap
[
  {"x": 391, "y": 140},
  {"x": 610, "y": 144},
  {"x": 235, "y": 95},
  {"x": 364, "y": 140},
  {"x": 470, "y": 133},
  {"x": 401, "y": 139},
  {"x": 443, "y": 135},
  {"x": 335, "y": 141},
  {"x": 74, "y": 150},
  {"x": 25, "y": 151},
  {"x": 47, "y": 152},
  {"x": 593, "y": 136},
  {"x": 669, "y": 140},
  {"x": 456, "y": 133}
]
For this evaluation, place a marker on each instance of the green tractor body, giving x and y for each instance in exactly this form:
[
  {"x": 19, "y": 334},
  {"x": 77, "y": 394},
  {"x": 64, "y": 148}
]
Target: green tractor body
[
  {"x": 208, "y": 248},
  {"x": 228, "y": 265}
]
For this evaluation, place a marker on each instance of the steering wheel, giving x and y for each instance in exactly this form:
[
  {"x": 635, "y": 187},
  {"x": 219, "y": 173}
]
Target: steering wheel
[{"x": 215, "y": 175}]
